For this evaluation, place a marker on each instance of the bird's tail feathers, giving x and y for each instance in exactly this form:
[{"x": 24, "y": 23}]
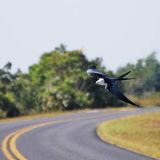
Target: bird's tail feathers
[
  {"x": 123, "y": 75},
  {"x": 121, "y": 78}
]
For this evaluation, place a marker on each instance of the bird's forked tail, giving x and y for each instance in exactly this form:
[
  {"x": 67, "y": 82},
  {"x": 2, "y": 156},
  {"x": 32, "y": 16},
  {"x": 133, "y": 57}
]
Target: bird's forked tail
[{"x": 120, "y": 78}]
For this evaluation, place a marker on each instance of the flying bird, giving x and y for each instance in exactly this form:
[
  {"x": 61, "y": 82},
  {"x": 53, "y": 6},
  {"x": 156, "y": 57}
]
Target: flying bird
[{"x": 110, "y": 84}]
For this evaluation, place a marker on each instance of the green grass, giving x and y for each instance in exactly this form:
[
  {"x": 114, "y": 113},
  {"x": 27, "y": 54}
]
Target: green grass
[{"x": 138, "y": 133}]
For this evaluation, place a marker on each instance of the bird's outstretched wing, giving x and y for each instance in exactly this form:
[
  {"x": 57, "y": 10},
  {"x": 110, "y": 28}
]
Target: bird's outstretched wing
[
  {"x": 97, "y": 74},
  {"x": 93, "y": 72},
  {"x": 114, "y": 89}
]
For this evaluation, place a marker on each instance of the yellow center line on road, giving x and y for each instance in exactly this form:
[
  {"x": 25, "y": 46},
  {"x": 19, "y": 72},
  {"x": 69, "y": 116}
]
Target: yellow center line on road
[
  {"x": 5, "y": 147},
  {"x": 9, "y": 141},
  {"x": 18, "y": 134},
  {"x": 9, "y": 147}
]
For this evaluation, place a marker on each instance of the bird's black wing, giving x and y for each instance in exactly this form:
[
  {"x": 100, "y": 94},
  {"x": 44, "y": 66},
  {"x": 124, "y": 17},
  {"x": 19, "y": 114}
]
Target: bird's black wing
[
  {"x": 95, "y": 73},
  {"x": 92, "y": 70},
  {"x": 114, "y": 89},
  {"x": 98, "y": 74}
]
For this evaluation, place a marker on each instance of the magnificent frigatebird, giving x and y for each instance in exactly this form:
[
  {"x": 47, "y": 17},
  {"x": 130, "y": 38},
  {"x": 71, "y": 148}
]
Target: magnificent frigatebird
[{"x": 110, "y": 83}]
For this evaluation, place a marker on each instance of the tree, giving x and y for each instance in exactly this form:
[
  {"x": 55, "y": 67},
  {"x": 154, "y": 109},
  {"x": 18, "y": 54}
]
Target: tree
[
  {"x": 61, "y": 48},
  {"x": 147, "y": 74},
  {"x": 7, "y": 106},
  {"x": 62, "y": 82}
]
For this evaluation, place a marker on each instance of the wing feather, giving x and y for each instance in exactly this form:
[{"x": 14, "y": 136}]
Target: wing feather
[{"x": 114, "y": 89}]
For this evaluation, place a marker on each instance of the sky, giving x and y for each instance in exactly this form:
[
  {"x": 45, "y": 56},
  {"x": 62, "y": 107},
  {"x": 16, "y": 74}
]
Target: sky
[{"x": 119, "y": 31}]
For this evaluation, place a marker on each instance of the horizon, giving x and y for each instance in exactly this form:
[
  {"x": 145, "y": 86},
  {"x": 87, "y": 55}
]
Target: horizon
[
  {"x": 119, "y": 32},
  {"x": 16, "y": 69}
]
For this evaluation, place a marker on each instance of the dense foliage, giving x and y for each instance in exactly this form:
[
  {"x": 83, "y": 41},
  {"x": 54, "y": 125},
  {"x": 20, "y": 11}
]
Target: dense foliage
[
  {"x": 59, "y": 82},
  {"x": 147, "y": 74}
]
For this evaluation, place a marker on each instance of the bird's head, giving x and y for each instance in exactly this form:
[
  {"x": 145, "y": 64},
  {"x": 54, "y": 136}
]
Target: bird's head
[{"x": 91, "y": 69}]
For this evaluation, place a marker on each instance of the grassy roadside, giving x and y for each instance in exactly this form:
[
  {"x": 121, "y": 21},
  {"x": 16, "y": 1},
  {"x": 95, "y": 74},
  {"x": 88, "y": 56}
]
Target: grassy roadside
[
  {"x": 34, "y": 116},
  {"x": 57, "y": 113},
  {"x": 147, "y": 100},
  {"x": 138, "y": 133}
]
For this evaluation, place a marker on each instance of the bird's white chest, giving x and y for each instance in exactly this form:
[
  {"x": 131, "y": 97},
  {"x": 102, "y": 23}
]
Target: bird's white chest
[{"x": 101, "y": 82}]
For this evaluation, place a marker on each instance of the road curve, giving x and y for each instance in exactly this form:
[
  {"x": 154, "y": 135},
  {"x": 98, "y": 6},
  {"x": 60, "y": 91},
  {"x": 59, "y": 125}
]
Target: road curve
[{"x": 67, "y": 137}]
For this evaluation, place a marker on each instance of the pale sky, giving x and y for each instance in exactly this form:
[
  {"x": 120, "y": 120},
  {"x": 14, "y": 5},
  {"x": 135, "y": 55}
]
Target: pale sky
[{"x": 119, "y": 31}]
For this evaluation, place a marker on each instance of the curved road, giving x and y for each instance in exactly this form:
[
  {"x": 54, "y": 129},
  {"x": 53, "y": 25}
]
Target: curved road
[{"x": 66, "y": 137}]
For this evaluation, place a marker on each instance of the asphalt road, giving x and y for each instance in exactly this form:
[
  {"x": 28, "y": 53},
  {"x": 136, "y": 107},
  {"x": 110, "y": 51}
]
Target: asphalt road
[{"x": 67, "y": 137}]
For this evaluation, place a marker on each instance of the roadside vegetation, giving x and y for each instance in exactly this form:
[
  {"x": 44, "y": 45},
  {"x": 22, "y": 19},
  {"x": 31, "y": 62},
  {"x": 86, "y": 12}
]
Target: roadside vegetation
[
  {"x": 148, "y": 99},
  {"x": 34, "y": 116},
  {"x": 58, "y": 82},
  {"x": 138, "y": 133}
]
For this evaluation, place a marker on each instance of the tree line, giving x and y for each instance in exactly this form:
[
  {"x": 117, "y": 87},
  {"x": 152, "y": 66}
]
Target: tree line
[{"x": 59, "y": 82}]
